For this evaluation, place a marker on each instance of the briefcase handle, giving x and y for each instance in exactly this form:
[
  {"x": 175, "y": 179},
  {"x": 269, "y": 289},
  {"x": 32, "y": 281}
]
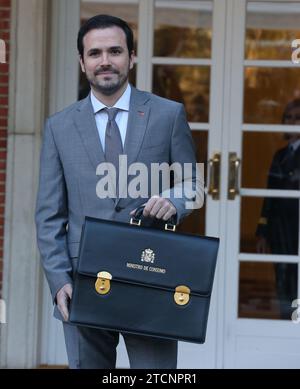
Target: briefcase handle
[{"x": 138, "y": 220}]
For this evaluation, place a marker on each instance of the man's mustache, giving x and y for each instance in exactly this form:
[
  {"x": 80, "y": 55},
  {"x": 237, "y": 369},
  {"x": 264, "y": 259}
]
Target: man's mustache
[{"x": 105, "y": 70}]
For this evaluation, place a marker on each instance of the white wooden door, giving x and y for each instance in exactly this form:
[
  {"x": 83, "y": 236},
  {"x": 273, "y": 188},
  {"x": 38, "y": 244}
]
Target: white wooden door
[{"x": 261, "y": 111}]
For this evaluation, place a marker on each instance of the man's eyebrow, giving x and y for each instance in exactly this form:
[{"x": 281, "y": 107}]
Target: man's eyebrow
[
  {"x": 97, "y": 50},
  {"x": 116, "y": 47}
]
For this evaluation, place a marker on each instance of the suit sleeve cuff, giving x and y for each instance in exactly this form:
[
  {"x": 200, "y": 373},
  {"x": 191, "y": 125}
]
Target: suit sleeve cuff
[{"x": 60, "y": 282}]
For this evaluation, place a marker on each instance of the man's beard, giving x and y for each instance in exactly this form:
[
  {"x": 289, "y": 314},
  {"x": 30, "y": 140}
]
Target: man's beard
[{"x": 109, "y": 87}]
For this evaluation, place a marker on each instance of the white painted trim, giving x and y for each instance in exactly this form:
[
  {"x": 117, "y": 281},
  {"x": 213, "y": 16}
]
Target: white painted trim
[
  {"x": 272, "y": 8},
  {"x": 217, "y": 143},
  {"x": 270, "y": 128},
  {"x": 199, "y": 126},
  {"x": 64, "y": 76},
  {"x": 185, "y": 5},
  {"x": 245, "y": 257},
  {"x": 180, "y": 61},
  {"x": 4, "y": 330},
  {"x": 45, "y": 325},
  {"x": 234, "y": 85},
  {"x": 270, "y": 193},
  {"x": 270, "y": 63},
  {"x": 145, "y": 45},
  {"x": 267, "y": 328},
  {"x": 52, "y": 349}
]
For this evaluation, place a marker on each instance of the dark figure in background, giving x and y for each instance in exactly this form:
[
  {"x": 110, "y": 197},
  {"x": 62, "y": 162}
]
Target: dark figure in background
[{"x": 278, "y": 227}]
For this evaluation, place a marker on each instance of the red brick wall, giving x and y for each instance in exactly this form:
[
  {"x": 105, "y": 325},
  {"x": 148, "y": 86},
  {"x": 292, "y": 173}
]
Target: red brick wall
[{"x": 5, "y": 6}]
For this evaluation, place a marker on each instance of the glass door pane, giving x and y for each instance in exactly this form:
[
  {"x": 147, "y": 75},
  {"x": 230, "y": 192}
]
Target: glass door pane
[
  {"x": 269, "y": 92},
  {"x": 267, "y": 163},
  {"x": 269, "y": 223},
  {"x": 182, "y": 29},
  {"x": 270, "y": 30},
  {"x": 267, "y": 290},
  {"x": 176, "y": 83}
]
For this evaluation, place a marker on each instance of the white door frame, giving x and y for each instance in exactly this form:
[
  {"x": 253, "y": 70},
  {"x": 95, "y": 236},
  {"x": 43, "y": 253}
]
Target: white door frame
[
  {"x": 249, "y": 343},
  {"x": 233, "y": 76}
]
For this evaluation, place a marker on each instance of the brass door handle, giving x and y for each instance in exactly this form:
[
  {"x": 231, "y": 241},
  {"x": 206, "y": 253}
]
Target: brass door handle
[
  {"x": 214, "y": 176},
  {"x": 233, "y": 176}
]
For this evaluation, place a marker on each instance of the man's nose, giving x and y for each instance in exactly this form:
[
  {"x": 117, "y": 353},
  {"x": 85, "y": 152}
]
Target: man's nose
[{"x": 105, "y": 59}]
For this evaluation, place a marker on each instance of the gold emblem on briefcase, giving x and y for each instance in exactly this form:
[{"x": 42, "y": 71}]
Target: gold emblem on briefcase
[
  {"x": 102, "y": 284},
  {"x": 148, "y": 255}
]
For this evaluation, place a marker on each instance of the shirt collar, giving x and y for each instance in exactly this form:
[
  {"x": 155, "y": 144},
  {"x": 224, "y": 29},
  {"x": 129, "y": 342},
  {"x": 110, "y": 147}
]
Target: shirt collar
[
  {"x": 295, "y": 144},
  {"x": 122, "y": 103}
]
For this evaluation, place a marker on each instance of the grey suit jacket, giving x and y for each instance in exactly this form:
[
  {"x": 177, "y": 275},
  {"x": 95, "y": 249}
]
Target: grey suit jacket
[{"x": 157, "y": 132}]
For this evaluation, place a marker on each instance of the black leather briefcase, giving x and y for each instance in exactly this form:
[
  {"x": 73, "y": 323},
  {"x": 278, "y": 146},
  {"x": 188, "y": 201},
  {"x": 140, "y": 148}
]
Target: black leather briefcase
[{"x": 143, "y": 280}]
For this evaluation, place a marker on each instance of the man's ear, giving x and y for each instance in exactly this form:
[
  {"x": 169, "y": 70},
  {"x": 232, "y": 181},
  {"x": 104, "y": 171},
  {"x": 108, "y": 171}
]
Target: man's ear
[
  {"x": 81, "y": 63},
  {"x": 131, "y": 59}
]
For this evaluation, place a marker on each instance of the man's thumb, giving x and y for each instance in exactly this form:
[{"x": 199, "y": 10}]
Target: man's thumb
[{"x": 69, "y": 291}]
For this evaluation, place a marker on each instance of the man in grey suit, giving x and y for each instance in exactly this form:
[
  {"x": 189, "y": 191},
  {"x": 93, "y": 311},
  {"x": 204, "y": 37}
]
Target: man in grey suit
[{"x": 115, "y": 119}]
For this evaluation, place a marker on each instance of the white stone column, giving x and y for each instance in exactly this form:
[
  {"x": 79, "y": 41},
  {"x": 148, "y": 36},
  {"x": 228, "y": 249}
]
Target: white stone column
[
  {"x": 63, "y": 91},
  {"x": 21, "y": 275}
]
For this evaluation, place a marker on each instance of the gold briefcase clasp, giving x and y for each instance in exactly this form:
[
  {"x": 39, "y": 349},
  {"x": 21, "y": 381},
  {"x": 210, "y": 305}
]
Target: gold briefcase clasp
[
  {"x": 102, "y": 284},
  {"x": 182, "y": 295}
]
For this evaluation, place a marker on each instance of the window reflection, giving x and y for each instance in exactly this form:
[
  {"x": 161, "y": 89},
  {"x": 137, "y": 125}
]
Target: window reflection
[
  {"x": 186, "y": 84},
  {"x": 271, "y": 160},
  {"x": 271, "y": 27},
  {"x": 278, "y": 222},
  {"x": 182, "y": 31},
  {"x": 266, "y": 290},
  {"x": 258, "y": 151},
  {"x": 278, "y": 227},
  {"x": 267, "y": 93},
  {"x": 269, "y": 225},
  {"x": 273, "y": 44}
]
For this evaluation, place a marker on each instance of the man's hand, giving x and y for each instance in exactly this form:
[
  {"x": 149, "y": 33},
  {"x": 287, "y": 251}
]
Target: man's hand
[
  {"x": 262, "y": 245},
  {"x": 158, "y": 207},
  {"x": 63, "y": 298}
]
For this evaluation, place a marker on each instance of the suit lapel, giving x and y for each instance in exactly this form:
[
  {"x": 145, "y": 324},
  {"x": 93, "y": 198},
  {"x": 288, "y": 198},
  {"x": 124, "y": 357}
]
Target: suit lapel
[
  {"x": 137, "y": 124},
  {"x": 86, "y": 126}
]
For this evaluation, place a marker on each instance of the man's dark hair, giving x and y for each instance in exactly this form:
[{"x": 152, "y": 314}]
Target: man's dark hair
[
  {"x": 101, "y": 22},
  {"x": 291, "y": 105}
]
